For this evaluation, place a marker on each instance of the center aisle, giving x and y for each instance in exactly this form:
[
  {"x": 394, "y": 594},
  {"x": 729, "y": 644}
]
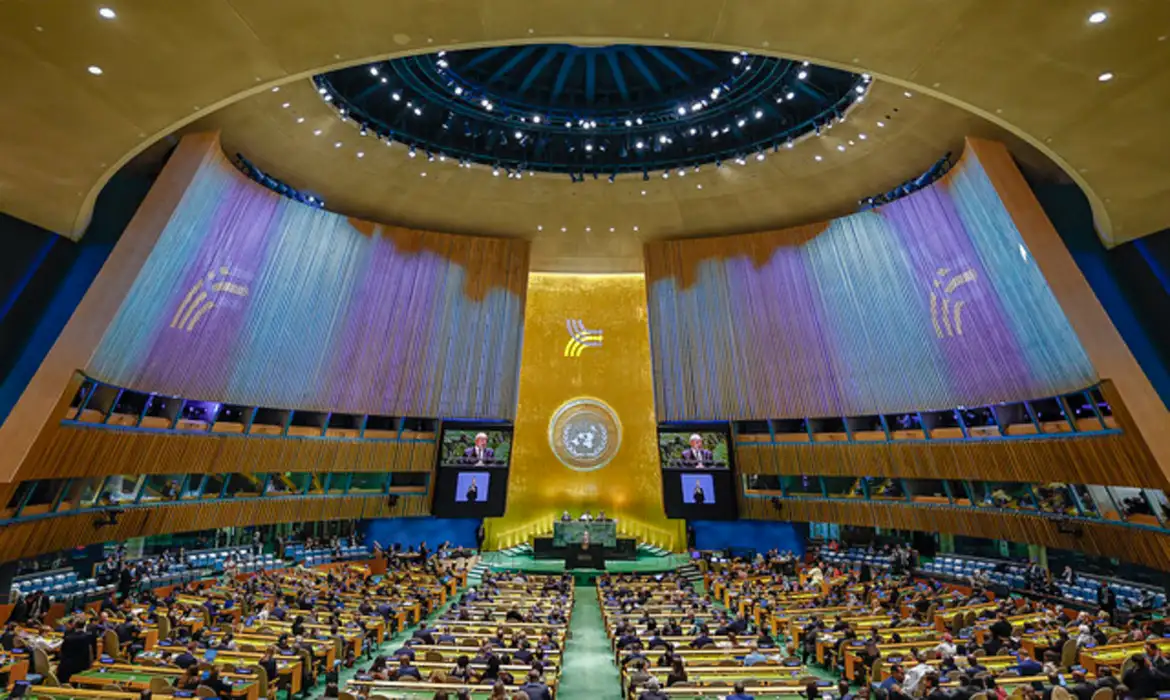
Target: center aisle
[{"x": 589, "y": 672}]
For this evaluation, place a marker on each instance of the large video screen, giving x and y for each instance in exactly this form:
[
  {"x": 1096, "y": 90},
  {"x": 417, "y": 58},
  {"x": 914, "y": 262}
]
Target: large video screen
[
  {"x": 693, "y": 449},
  {"x": 472, "y": 487},
  {"x": 470, "y": 493},
  {"x": 475, "y": 447},
  {"x": 699, "y": 495}
]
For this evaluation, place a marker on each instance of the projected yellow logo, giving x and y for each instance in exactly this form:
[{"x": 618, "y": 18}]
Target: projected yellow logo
[
  {"x": 947, "y": 317},
  {"x": 580, "y": 338},
  {"x": 217, "y": 286}
]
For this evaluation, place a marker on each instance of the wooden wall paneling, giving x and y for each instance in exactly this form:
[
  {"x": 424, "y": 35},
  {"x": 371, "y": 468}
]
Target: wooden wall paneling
[
  {"x": 1115, "y": 459},
  {"x": 1133, "y": 545}
]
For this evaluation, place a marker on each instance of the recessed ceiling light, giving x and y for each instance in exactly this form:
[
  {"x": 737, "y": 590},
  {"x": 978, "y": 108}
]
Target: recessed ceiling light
[
  {"x": 881, "y": 123},
  {"x": 361, "y": 154},
  {"x": 643, "y": 193},
  {"x": 817, "y": 158},
  {"x": 422, "y": 174},
  {"x": 563, "y": 229},
  {"x": 107, "y": 13},
  {"x": 635, "y": 228},
  {"x": 840, "y": 148},
  {"x": 1098, "y": 17},
  {"x": 316, "y": 132},
  {"x": 698, "y": 187},
  {"x": 337, "y": 144},
  {"x": 276, "y": 89},
  {"x": 908, "y": 94},
  {"x": 862, "y": 137},
  {"x": 1105, "y": 77},
  {"x": 300, "y": 120},
  {"x": 539, "y": 228},
  {"x": 285, "y": 105},
  {"x": 94, "y": 70},
  {"x": 587, "y": 229},
  {"x": 611, "y": 229}
]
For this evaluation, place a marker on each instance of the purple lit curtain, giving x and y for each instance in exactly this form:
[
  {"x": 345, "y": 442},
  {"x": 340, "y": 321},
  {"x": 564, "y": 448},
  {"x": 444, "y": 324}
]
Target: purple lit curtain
[
  {"x": 930, "y": 302},
  {"x": 253, "y": 298}
]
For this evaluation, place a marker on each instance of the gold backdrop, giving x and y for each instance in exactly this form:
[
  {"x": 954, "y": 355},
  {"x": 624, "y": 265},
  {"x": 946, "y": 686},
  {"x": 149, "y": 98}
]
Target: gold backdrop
[{"x": 607, "y": 364}]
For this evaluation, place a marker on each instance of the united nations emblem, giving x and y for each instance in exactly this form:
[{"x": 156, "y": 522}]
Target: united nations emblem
[{"x": 584, "y": 434}]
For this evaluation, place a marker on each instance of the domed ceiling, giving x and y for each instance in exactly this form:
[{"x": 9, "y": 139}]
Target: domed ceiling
[{"x": 586, "y": 110}]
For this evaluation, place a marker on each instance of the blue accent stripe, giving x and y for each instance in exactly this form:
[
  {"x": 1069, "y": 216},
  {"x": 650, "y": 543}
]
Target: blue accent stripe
[{"x": 33, "y": 266}]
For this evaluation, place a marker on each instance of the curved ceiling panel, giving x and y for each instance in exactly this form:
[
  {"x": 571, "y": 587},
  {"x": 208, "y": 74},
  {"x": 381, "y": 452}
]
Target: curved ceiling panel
[
  {"x": 584, "y": 110},
  {"x": 1034, "y": 68}
]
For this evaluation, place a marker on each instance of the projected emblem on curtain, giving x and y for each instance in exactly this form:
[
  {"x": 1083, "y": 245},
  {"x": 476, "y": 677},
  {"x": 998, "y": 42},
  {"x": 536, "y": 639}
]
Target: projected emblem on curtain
[
  {"x": 925, "y": 303},
  {"x": 218, "y": 287},
  {"x": 951, "y": 314}
]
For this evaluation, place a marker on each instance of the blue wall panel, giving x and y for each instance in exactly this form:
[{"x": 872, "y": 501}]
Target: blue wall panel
[
  {"x": 760, "y": 535},
  {"x": 459, "y": 532}
]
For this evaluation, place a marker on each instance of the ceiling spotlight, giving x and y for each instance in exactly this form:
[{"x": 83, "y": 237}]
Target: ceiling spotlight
[
  {"x": 693, "y": 131},
  {"x": 682, "y": 110},
  {"x": 411, "y": 152},
  {"x": 337, "y": 144},
  {"x": 107, "y": 13},
  {"x": 862, "y": 137},
  {"x": 643, "y": 193},
  {"x": 1105, "y": 77},
  {"x": 373, "y": 70},
  {"x": 539, "y": 228},
  {"x": 908, "y": 94},
  {"x": 423, "y": 174},
  {"x": 665, "y": 174},
  {"x": 802, "y": 75},
  {"x": 517, "y": 134},
  {"x": 384, "y": 80},
  {"x": 881, "y": 124},
  {"x": 276, "y": 89},
  {"x": 611, "y": 229},
  {"x": 682, "y": 173},
  {"x": 741, "y": 122},
  {"x": 638, "y": 121},
  {"x": 322, "y": 90},
  {"x": 790, "y": 96},
  {"x": 860, "y": 89},
  {"x": 300, "y": 120},
  {"x": 316, "y": 132},
  {"x": 417, "y": 112},
  {"x": 495, "y": 172},
  {"x": 589, "y": 147},
  {"x": 430, "y": 157},
  {"x": 696, "y": 106},
  {"x": 840, "y": 148},
  {"x": 760, "y": 155},
  {"x": 95, "y": 70},
  {"x": 1096, "y": 18},
  {"x": 736, "y": 60},
  {"x": 640, "y": 145},
  {"x": 361, "y": 154},
  {"x": 362, "y": 131},
  {"x": 458, "y": 90},
  {"x": 788, "y": 145},
  {"x": 817, "y": 158},
  {"x": 635, "y": 228},
  {"x": 629, "y": 123},
  {"x": 662, "y": 139},
  {"x": 759, "y": 114},
  {"x": 587, "y": 229},
  {"x": 563, "y": 229},
  {"x": 395, "y": 96},
  {"x": 536, "y": 119},
  {"x": 699, "y": 187}
]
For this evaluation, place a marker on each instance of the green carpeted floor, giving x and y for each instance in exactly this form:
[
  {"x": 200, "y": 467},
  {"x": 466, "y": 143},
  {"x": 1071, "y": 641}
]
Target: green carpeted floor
[{"x": 589, "y": 672}]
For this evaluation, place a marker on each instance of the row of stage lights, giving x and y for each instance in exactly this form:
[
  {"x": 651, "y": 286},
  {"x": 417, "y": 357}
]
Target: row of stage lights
[{"x": 663, "y": 139}]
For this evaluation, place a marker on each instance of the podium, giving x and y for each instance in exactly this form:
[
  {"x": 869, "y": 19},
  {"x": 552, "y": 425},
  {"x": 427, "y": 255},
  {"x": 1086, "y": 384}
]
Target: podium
[{"x": 602, "y": 533}]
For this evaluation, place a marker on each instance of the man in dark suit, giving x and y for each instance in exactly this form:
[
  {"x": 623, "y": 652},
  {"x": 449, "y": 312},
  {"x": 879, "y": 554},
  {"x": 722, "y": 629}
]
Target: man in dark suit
[
  {"x": 700, "y": 496},
  {"x": 481, "y": 454},
  {"x": 696, "y": 456},
  {"x": 78, "y": 649},
  {"x": 535, "y": 688},
  {"x": 1082, "y": 689},
  {"x": 472, "y": 491},
  {"x": 187, "y": 658}
]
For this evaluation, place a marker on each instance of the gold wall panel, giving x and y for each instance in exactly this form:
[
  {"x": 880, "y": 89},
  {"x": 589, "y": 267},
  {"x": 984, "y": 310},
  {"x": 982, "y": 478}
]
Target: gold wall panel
[{"x": 612, "y": 372}]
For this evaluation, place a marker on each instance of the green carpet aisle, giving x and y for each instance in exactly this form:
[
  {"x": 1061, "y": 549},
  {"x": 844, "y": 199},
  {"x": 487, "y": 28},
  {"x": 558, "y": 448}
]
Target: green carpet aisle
[{"x": 589, "y": 671}]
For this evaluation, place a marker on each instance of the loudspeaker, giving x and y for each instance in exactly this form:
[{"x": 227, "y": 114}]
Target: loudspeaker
[
  {"x": 392, "y": 500},
  {"x": 777, "y": 504}
]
